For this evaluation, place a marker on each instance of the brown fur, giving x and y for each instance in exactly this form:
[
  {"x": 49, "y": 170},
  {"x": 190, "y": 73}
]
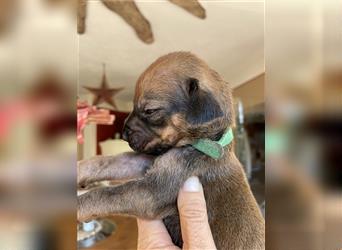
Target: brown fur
[{"x": 233, "y": 213}]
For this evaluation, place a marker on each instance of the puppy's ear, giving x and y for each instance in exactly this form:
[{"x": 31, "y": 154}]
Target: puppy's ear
[
  {"x": 202, "y": 106},
  {"x": 192, "y": 86}
]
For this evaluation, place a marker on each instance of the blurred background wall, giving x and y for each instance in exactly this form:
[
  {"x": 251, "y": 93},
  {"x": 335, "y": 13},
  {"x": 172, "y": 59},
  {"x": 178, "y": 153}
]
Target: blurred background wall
[{"x": 282, "y": 58}]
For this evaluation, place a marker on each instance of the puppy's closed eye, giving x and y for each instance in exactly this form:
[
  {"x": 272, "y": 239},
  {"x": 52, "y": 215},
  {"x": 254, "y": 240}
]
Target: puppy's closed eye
[
  {"x": 154, "y": 117},
  {"x": 151, "y": 111}
]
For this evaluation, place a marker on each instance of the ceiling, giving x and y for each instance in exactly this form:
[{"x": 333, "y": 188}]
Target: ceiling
[{"x": 230, "y": 39}]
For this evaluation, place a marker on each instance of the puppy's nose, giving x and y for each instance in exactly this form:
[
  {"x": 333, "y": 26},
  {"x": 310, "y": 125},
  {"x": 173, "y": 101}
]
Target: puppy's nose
[{"x": 126, "y": 133}]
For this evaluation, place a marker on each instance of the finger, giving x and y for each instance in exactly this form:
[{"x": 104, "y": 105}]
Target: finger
[
  {"x": 82, "y": 104},
  {"x": 196, "y": 231},
  {"x": 152, "y": 234},
  {"x": 98, "y": 120},
  {"x": 103, "y": 111},
  {"x": 99, "y": 116},
  {"x": 101, "y": 119}
]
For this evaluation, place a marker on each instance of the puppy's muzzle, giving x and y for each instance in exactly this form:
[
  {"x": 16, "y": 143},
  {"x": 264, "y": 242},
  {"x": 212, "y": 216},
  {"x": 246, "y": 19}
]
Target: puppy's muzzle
[
  {"x": 134, "y": 138},
  {"x": 126, "y": 133}
]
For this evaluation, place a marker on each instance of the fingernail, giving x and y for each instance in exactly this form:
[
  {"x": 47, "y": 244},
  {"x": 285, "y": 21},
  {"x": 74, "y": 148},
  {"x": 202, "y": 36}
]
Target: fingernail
[{"x": 192, "y": 184}]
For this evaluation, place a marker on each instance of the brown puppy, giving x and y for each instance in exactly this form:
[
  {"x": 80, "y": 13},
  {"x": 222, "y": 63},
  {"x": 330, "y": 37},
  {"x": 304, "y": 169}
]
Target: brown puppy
[{"x": 178, "y": 99}]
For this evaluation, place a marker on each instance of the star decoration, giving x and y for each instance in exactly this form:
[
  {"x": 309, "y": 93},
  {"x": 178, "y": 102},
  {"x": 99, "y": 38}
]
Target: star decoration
[
  {"x": 104, "y": 94},
  {"x": 130, "y": 13}
]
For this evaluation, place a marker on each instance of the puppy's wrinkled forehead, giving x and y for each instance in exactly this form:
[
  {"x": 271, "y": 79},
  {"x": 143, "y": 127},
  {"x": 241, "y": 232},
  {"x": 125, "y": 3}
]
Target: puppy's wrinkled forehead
[
  {"x": 157, "y": 89},
  {"x": 166, "y": 74}
]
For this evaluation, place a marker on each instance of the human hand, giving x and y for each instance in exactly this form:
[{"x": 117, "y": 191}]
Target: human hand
[
  {"x": 93, "y": 115},
  {"x": 90, "y": 114},
  {"x": 196, "y": 233}
]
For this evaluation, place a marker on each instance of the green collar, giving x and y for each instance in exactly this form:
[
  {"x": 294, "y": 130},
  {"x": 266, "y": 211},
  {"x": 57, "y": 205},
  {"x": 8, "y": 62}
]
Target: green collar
[{"x": 214, "y": 149}]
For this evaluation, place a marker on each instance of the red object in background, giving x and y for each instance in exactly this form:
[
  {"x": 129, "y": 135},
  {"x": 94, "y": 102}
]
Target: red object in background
[
  {"x": 82, "y": 114},
  {"x": 10, "y": 113},
  {"x": 39, "y": 112},
  {"x": 107, "y": 132},
  {"x": 90, "y": 114}
]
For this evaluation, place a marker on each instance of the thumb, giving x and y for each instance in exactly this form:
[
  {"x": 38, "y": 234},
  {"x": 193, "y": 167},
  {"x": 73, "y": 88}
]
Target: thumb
[
  {"x": 192, "y": 209},
  {"x": 152, "y": 234}
]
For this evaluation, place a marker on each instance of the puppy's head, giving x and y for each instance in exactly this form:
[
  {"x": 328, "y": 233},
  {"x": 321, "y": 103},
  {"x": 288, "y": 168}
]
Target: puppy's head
[{"x": 178, "y": 99}]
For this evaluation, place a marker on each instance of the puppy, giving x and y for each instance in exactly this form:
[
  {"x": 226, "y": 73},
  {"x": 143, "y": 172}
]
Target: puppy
[{"x": 178, "y": 100}]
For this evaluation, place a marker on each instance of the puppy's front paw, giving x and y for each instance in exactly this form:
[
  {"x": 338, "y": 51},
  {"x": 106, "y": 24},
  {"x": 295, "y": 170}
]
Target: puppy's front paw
[
  {"x": 85, "y": 172},
  {"x": 81, "y": 184},
  {"x": 82, "y": 174},
  {"x": 84, "y": 208}
]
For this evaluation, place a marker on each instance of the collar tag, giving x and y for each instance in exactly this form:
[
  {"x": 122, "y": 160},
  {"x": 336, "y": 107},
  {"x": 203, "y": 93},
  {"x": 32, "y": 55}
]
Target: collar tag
[{"x": 214, "y": 149}]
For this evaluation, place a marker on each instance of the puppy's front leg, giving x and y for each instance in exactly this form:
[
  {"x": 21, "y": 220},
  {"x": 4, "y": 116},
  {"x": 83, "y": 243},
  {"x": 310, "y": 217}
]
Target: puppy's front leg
[
  {"x": 142, "y": 198},
  {"x": 125, "y": 166}
]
